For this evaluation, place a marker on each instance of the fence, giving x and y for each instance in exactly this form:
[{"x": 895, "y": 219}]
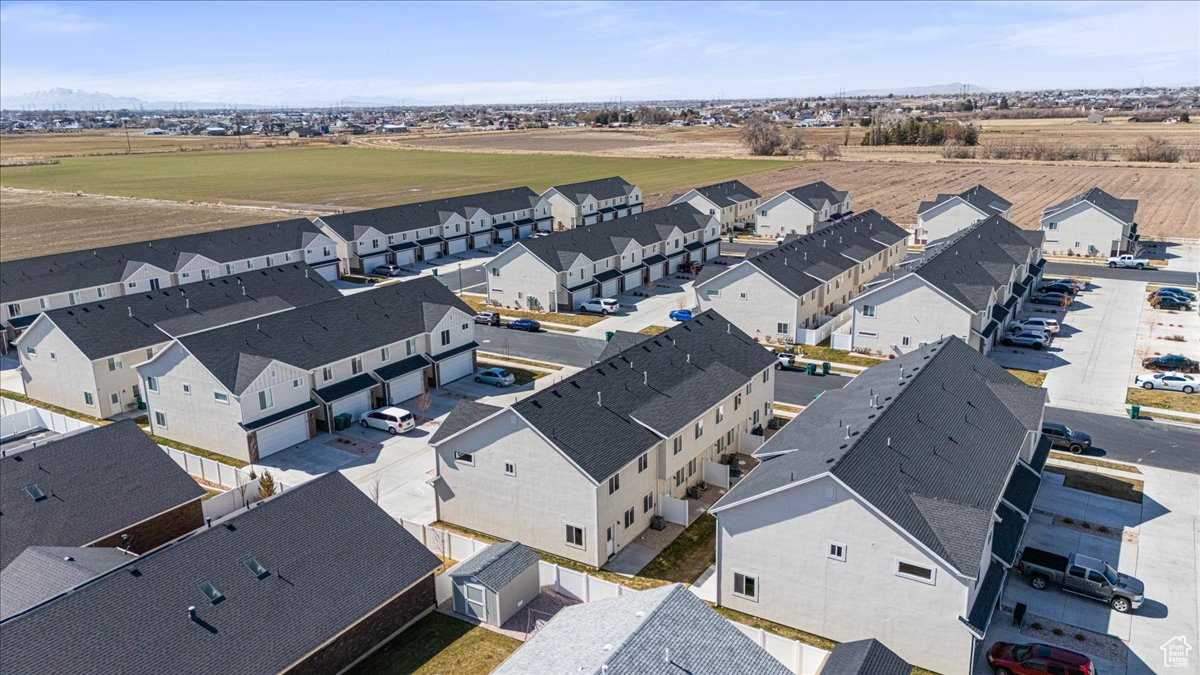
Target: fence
[
  {"x": 17, "y": 419},
  {"x": 796, "y": 656},
  {"x": 815, "y": 336},
  {"x": 210, "y": 470},
  {"x": 442, "y": 542}
]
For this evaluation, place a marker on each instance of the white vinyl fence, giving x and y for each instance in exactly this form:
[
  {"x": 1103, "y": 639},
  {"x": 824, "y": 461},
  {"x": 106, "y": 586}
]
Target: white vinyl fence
[
  {"x": 17, "y": 419},
  {"x": 815, "y": 336},
  {"x": 210, "y": 470}
]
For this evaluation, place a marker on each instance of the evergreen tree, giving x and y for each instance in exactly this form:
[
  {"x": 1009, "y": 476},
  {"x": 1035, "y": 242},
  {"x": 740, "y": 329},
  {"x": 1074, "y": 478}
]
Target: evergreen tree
[{"x": 266, "y": 485}]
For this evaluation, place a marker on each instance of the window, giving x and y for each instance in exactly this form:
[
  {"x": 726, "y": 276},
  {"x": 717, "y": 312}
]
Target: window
[
  {"x": 221, "y": 397},
  {"x": 699, "y": 429},
  {"x": 132, "y": 284},
  {"x": 410, "y": 347},
  {"x": 326, "y": 374},
  {"x": 720, "y": 413},
  {"x": 837, "y": 551},
  {"x": 31, "y": 352},
  {"x": 53, "y": 357},
  {"x": 647, "y": 502},
  {"x": 356, "y": 365},
  {"x": 781, "y": 328},
  {"x": 187, "y": 389},
  {"x": 643, "y": 462},
  {"x": 766, "y": 375},
  {"x": 574, "y": 536},
  {"x": 677, "y": 445},
  {"x": 210, "y": 591},
  {"x": 749, "y": 388},
  {"x": 1052, "y": 226},
  {"x": 495, "y": 271},
  {"x": 713, "y": 293},
  {"x": 115, "y": 398},
  {"x": 630, "y": 516},
  {"x": 42, "y": 304},
  {"x": 73, "y": 296},
  {"x": 114, "y": 363},
  {"x": 152, "y": 384},
  {"x": 868, "y": 310},
  {"x": 737, "y": 401},
  {"x": 614, "y": 483},
  {"x": 287, "y": 257},
  {"x": 445, "y": 337},
  {"x": 35, "y": 492},
  {"x": 742, "y": 296},
  {"x": 911, "y": 571},
  {"x": 510, "y": 469},
  {"x": 691, "y": 467},
  {"x": 679, "y": 477},
  {"x": 904, "y": 341},
  {"x": 745, "y": 586},
  {"x": 1076, "y": 246},
  {"x": 868, "y": 333},
  {"x": 385, "y": 354},
  {"x": 228, "y": 269},
  {"x": 14, "y": 309},
  {"x": 150, "y": 353},
  {"x": 265, "y": 399},
  {"x": 256, "y": 568},
  {"x": 249, "y": 264},
  {"x": 464, "y": 458},
  {"x": 160, "y": 419}
]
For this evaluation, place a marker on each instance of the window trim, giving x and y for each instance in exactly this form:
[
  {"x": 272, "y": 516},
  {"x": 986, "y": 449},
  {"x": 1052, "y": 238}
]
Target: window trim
[
  {"x": 931, "y": 581},
  {"x": 466, "y": 458},
  {"x": 510, "y": 469},
  {"x": 839, "y": 555},
  {"x": 570, "y": 541},
  {"x": 753, "y": 597}
]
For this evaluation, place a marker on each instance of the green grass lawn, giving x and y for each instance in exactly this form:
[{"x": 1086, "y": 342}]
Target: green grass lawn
[
  {"x": 356, "y": 177},
  {"x": 686, "y": 558},
  {"x": 439, "y": 645}
]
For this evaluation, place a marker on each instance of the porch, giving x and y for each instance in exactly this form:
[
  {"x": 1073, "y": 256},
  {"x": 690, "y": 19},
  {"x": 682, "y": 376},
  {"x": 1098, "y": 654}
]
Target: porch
[{"x": 638, "y": 553}]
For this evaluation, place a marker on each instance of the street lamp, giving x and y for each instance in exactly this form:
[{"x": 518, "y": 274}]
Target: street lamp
[{"x": 460, "y": 288}]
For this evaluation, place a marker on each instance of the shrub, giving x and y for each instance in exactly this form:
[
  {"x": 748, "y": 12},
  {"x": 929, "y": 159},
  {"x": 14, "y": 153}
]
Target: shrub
[
  {"x": 1058, "y": 631},
  {"x": 1081, "y": 637},
  {"x": 1069, "y": 521},
  {"x": 828, "y": 150},
  {"x": 1085, "y": 525},
  {"x": 1151, "y": 149},
  {"x": 266, "y": 485},
  {"x": 1036, "y": 625},
  {"x": 761, "y": 136}
]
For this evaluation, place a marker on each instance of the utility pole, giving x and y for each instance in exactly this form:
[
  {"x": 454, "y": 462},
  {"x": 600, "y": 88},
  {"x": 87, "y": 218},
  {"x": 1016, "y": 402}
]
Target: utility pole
[{"x": 128, "y": 145}]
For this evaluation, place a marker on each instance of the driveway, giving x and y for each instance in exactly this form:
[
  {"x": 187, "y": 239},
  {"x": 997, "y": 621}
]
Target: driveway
[
  {"x": 10, "y": 375},
  {"x": 638, "y": 312}
]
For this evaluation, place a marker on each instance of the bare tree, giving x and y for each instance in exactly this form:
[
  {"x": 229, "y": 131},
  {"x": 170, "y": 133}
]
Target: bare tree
[
  {"x": 845, "y": 130},
  {"x": 795, "y": 142},
  {"x": 828, "y": 150},
  {"x": 373, "y": 486},
  {"x": 761, "y": 136},
  {"x": 423, "y": 403}
]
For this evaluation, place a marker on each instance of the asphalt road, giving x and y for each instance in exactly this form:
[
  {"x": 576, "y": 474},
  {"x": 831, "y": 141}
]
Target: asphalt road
[
  {"x": 799, "y": 388},
  {"x": 1166, "y": 446},
  {"x": 472, "y": 276},
  {"x": 1057, "y": 269},
  {"x": 544, "y": 346}
]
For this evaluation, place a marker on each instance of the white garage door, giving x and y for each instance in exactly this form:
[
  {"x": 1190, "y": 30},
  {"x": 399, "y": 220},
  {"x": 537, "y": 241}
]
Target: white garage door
[
  {"x": 482, "y": 240},
  {"x": 506, "y": 234},
  {"x": 328, "y": 272},
  {"x": 525, "y": 231},
  {"x": 632, "y": 281},
  {"x": 457, "y": 245},
  {"x": 433, "y": 251},
  {"x": 355, "y": 404},
  {"x": 282, "y": 435},
  {"x": 404, "y": 388},
  {"x": 455, "y": 367},
  {"x": 406, "y": 257},
  {"x": 369, "y": 264},
  {"x": 608, "y": 289}
]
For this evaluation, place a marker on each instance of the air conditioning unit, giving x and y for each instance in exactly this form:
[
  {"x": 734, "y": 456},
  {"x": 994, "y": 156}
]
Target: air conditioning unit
[{"x": 657, "y": 523}]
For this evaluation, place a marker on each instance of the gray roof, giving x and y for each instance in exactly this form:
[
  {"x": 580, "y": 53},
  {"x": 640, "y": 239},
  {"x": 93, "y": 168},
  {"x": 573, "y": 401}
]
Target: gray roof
[
  {"x": 1123, "y": 209},
  {"x": 621, "y": 340},
  {"x": 864, "y": 657},
  {"x": 332, "y": 558},
  {"x": 129, "y": 322},
  {"x": 929, "y": 439},
  {"x": 96, "y": 483},
  {"x": 980, "y": 197},
  {"x": 62, "y": 272},
  {"x": 324, "y": 332},
  {"x": 42, "y": 572},
  {"x": 464, "y": 415},
  {"x": 613, "y": 187},
  {"x": 604, "y": 240},
  {"x": 729, "y": 193},
  {"x": 634, "y": 633},
  {"x": 985, "y": 600},
  {"x": 432, "y": 213},
  {"x": 818, "y": 195},
  {"x": 497, "y": 565},
  {"x": 663, "y": 383}
]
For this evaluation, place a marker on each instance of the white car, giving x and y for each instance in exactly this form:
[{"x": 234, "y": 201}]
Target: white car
[
  {"x": 601, "y": 306},
  {"x": 390, "y": 419},
  {"x": 1037, "y": 323},
  {"x": 1171, "y": 381}
]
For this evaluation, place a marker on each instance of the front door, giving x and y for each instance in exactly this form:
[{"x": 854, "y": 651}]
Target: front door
[
  {"x": 154, "y": 284},
  {"x": 610, "y": 541}
]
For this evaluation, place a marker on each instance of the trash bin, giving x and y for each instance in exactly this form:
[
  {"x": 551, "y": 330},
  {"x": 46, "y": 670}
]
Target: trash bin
[
  {"x": 811, "y": 368},
  {"x": 1135, "y": 412},
  {"x": 1018, "y": 613},
  {"x": 825, "y": 368},
  {"x": 731, "y": 238},
  {"x": 608, "y": 336},
  {"x": 435, "y": 271},
  {"x": 342, "y": 421}
]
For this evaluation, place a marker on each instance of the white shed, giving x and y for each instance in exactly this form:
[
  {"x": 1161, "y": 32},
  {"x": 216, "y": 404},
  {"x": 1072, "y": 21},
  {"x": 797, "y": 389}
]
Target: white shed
[{"x": 493, "y": 584}]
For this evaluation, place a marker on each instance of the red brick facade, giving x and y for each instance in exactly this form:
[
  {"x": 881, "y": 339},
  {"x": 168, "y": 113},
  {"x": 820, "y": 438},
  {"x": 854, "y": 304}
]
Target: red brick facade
[{"x": 158, "y": 530}]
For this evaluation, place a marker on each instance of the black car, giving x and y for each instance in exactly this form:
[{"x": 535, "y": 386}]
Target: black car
[
  {"x": 1172, "y": 362},
  {"x": 1058, "y": 288},
  {"x": 488, "y": 318},
  {"x": 1062, "y": 436},
  {"x": 1171, "y": 302},
  {"x": 1060, "y": 299}
]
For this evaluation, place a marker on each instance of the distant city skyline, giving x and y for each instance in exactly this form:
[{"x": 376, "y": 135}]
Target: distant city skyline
[{"x": 318, "y": 54}]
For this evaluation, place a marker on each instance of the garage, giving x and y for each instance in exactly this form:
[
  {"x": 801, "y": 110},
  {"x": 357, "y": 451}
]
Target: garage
[
  {"x": 506, "y": 231},
  {"x": 406, "y": 387},
  {"x": 282, "y": 434},
  {"x": 371, "y": 262},
  {"x": 406, "y": 255},
  {"x": 458, "y": 245},
  {"x": 355, "y": 404},
  {"x": 481, "y": 240},
  {"x": 608, "y": 289},
  {"x": 525, "y": 229},
  {"x": 328, "y": 272},
  {"x": 633, "y": 280},
  {"x": 456, "y": 367}
]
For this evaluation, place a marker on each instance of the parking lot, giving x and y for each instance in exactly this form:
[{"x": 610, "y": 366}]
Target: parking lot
[{"x": 1162, "y": 331}]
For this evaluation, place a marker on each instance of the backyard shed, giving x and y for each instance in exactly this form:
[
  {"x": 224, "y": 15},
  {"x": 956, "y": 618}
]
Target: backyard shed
[{"x": 492, "y": 585}]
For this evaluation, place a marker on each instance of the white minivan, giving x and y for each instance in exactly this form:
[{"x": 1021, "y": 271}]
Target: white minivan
[
  {"x": 601, "y": 306},
  {"x": 390, "y": 419}
]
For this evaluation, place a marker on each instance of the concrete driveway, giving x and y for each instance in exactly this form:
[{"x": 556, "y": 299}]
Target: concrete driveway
[{"x": 638, "y": 312}]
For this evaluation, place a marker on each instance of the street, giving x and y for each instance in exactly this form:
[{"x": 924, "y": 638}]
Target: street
[
  {"x": 568, "y": 350},
  {"x": 1157, "y": 276},
  {"x": 473, "y": 277},
  {"x": 1167, "y": 446},
  {"x": 798, "y": 388}
]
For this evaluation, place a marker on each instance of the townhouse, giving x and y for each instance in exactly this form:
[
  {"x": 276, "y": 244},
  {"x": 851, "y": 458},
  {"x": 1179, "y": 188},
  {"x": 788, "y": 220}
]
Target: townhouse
[
  {"x": 731, "y": 202},
  {"x": 948, "y": 214},
  {"x": 256, "y": 387},
  {"x": 105, "y": 487},
  {"x": 309, "y": 581},
  {"x": 404, "y": 234},
  {"x": 891, "y": 509},
  {"x": 83, "y": 358},
  {"x": 969, "y": 285},
  {"x": 564, "y": 269},
  {"x": 789, "y": 291},
  {"x": 588, "y": 462},
  {"x": 593, "y": 201},
  {"x": 34, "y": 285},
  {"x": 801, "y": 210},
  {"x": 1092, "y": 223}
]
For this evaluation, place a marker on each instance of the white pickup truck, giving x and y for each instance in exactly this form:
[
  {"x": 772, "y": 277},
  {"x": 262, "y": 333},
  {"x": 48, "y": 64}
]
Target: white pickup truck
[{"x": 1128, "y": 261}]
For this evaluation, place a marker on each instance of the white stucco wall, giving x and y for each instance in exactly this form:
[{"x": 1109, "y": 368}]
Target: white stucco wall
[
  {"x": 947, "y": 218},
  {"x": 1084, "y": 230},
  {"x": 784, "y": 215},
  {"x": 57, "y": 372},
  {"x": 910, "y": 308},
  {"x": 765, "y": 305},
  {"x": 521, "y": 275}
]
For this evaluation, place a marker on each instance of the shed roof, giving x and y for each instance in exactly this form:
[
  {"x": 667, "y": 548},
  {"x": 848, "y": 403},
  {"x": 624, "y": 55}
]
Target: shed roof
[{"x": 497, "y": 565}]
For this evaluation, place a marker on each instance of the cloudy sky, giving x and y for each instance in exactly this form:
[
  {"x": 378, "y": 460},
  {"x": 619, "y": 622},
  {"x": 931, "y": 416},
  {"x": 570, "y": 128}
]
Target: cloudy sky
[{"x": 314, "y": 53}]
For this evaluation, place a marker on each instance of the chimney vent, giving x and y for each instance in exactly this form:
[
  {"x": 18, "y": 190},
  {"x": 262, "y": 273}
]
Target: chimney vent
[
  {"x": 598, "y": 399},
  {"x": 130, "y": 311},
  {"x": 192, "y": 612},
  {"x": 646, "y": 377}
]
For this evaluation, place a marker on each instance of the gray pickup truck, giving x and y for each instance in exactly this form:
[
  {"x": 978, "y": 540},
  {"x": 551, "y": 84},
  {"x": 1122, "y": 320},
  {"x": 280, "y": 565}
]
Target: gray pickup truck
[{"x": 1082, "y": 575}]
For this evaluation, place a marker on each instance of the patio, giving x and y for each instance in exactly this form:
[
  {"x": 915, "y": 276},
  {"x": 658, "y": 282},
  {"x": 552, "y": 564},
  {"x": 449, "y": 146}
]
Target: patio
[{"x": 650, "y": 543}]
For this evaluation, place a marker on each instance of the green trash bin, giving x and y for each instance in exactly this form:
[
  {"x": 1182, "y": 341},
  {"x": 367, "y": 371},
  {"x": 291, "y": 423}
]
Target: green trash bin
[
  {"x": 825, "y": 368},
  {"x": 608, "y": 334},
  {"x": 435, "y": 271},
  {"x": 342, "y": 421},
  {"x": 731, "y": 238},
  {"x": 811, "y": 368},
  {"x": 1135, "y": 412}
]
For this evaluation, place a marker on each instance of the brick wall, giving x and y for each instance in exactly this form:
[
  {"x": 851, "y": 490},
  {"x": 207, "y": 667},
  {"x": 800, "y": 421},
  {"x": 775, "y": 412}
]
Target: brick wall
[
  {"x": 369, "y": 632},
  {"x": 159, "y": 529}
]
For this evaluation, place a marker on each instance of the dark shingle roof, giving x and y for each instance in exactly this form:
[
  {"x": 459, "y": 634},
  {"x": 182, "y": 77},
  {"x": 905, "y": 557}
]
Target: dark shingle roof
[
  {"x": 62, "y": 272},
  {"x": 1022, "y": 488},
  {"x": 324, "y": 332},
  {"x": 729, "y": 193},
  {"x": 604, "y": 240},
  {"x": 1007, "y": 535},
  {"x": 663, "y": 382},
  {"x": 342, "y": 389},
  {"x": 864, "y": 657},
  {"x": 332, "y": 557},
  {"x": 96, "y": 483},
  {"x": 817, "y": 196},
  {"x": 989, "y": 591},
  {"x": 613, "y": 187},
  {"x": 432, "y": 213},
  {"x": 929, "y": 439},
  {"x": 465, "y": 414},
  {"x": 402, "y": 367},
  {"x": 42, "y": 572},
  {"x": 498, "y": 564},
  {"x": 1123, "y": 209},
  {"x": 621, "y": 340},
  {"x": 129, "y": 322},
  {"x": 632, "y": 634},
  {"x": 980, "y": 197}
]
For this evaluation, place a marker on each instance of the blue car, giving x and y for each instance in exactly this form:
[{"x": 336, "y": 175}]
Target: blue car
[
  {"x": 680, "y": 315},
  {"x": 497, "y": 376},
  {"x": 524, "y": 324}
]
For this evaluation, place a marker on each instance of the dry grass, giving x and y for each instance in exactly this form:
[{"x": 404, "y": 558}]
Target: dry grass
[
  {"x": 777, "y": 628},
  {"x": 823, "y": 352},
  {"x": 1029, "y": 377},
  {"x": 1126, "y": 489},
  {"x": 686, "y": 558},
  {"x": 113, "y": 142},
  {"x": 654, "y": 330},
  {"x": 439, "y": 645},
  {"x": 1167, "y": 400},
  {"x": 479, "y": 304},
  {"x": 1092, "y": 461},
  {"x": 483, "y": 356}
]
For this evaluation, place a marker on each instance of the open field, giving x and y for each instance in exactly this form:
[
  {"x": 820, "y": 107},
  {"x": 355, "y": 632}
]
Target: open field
[{"x": 113, "y": 142}]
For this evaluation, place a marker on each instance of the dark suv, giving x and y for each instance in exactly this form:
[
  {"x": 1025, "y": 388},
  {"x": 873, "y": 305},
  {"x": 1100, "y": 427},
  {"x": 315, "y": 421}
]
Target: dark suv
[
  {"x": 1171, "y": 362},
  {"x": 1062, "y": 436}
]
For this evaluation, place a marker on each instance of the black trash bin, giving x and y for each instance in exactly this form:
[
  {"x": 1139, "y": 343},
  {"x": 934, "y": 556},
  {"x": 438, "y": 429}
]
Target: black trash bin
[{"x": 1018, "y": 613}]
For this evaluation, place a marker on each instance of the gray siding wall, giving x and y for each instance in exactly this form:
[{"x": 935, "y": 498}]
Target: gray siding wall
[
  {"x": 907, "y": 308},
  {"x": 947, "y": 218},
  {"x": 1084, "y": 230}
]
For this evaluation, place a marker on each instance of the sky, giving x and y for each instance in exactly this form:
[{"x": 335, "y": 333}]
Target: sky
[{"x": 313, "y": 53}]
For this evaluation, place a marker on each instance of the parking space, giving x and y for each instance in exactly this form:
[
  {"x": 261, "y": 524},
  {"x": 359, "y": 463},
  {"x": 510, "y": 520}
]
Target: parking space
[
  {"x": 638, "y": 312},
  {"x": 1162, "y": 331}
]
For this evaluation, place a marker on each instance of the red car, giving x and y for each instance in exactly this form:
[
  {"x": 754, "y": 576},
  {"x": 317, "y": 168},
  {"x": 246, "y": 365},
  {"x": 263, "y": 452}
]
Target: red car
[{"x": 1006, "y": 658}]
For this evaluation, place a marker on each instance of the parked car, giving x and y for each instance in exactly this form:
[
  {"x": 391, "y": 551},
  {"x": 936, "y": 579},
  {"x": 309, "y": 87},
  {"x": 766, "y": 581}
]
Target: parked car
[
  {"x": 1066, "y": 289},
  {"x": 1074, "y": 283},
  {"x": 1060, "y": 299},
  {"x": 488, "y": 318},
  {"x": 680, "y": 315},
  {"x": 1169, "y": 381},
  {"x": 785, "y": 361},
  {"x": 1082, "y": 575},
  {"x": 496, "y": 376},
  {"x": 1027, "y": 338},
  {"x": 1171, "y": 302},
  {"x": 1036, "y": 323},
  {"x": 390, "y": 419},
  {"x": 387, "y": 271},
  {"x": 1128, "y": 261},
  {"x": 1174, "y": 362},
  {"x": 1062, "y": 436},
  {"x": 601, "y": 306},
  {"x": 1006, "y": 658},
  {"x": 1175, "y": 290},
  {"x": 524, "y": 324}
]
